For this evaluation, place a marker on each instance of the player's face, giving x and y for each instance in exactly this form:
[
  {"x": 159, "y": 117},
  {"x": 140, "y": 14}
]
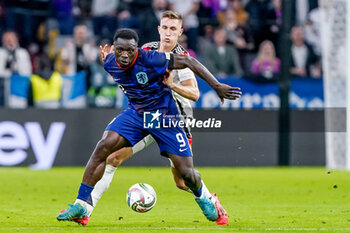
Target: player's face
[
  {"x": 170, "y": 30},
  {"x": 125, "y": 51}
]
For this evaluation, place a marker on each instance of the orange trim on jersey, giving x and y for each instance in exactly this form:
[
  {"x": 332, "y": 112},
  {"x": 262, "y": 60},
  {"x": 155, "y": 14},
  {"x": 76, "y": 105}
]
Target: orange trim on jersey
[
  {"x": 132, "y": 63},
  {"x": 190, "y": 141}
]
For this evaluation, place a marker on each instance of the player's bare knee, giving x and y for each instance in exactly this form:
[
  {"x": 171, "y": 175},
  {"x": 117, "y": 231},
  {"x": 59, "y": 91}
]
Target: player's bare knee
[
  {"x": 103, "y": 148},
  {"x": 113, "y": 160}
]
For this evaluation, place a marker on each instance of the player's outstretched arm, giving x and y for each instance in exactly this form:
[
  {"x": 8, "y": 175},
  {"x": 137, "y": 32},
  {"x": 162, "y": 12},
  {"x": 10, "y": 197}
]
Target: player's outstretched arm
[{"x": 224, "y": 91}]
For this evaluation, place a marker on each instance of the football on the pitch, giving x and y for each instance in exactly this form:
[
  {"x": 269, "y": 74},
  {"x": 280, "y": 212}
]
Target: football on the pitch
[{"x": 141, "y": 197}]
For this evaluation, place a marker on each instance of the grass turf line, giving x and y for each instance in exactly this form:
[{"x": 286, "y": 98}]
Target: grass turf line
[{"x": 257, "y": 200}]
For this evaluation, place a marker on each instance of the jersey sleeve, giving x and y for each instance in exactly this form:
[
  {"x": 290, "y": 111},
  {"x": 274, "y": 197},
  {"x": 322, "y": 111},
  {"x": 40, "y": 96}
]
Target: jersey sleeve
[
  {"x": 159, "y": 61},
  {"x": 147, "y": 47},
  {"x": 108, "y": 62},
  {"x": 185, "y": 74},
  {"x": 151, "y": 46}
]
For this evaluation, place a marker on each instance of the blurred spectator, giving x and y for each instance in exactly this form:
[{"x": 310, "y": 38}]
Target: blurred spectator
[
  {"x": 36, "y": 53},
  {"x": 313, "y": 30},
  {"x": 150, "y": 21},
  {"x": 241, "y": 15},
  {"x": 82, "y": 9},
  {"x": 13, "y": 60},
  {"x": 257, "y": 19},
  {"x": 79, "y": 53},
  {"x": 77, "y": 56},
  {"x": 2, "y": 17},
  {"x": 222, "y": 59},
  {"x": 274, "y": 21},
  {"x": 63, "y": 11},
  {"x": 215, "y": 6},
  {"x": 103, "y": 90},
  {"x": 188, "y": 9},
  {"x": 127, "y": 15},
  {"x": 45, "y": 85},
  {"x": 238, "y": 35},
  {"x": 304, "y": 60},
  {"x": 183, "y": 43},
  {"x": 104, "y": 14},
  {"x": 137, "y": 7},
  {"x": 205, "y": 18},
  {"x": 24, "y": 17},
  {"x": 301, "y": 9},
  {"x": 205, "y": 42},
  {"x": 266, "y": 65}
]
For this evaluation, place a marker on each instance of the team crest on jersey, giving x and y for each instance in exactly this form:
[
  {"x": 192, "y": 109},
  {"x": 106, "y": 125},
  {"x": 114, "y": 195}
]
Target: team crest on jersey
[{"x": 142, "y": 77}]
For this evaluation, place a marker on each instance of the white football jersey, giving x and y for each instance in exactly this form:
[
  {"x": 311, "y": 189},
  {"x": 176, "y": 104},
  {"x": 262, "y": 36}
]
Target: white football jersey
[
  {"x": 180, "y": 76},
  {"x": 183, "y": 104}
]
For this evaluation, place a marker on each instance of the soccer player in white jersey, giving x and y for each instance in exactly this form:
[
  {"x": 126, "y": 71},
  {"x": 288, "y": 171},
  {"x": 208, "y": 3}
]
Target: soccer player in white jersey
[{"x": 184, "y": 86}]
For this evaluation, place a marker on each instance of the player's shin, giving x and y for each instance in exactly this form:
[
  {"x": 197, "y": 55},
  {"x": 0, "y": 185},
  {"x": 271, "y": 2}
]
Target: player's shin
[
  {"x": 179, "y": 181},
  {"x": 101, "y": 186},
  {"x": 202, "y": 191}
]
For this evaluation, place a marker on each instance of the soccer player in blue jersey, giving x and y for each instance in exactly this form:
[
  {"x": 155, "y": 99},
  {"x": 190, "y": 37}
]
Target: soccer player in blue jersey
[
  {"x": 140, "y": 74},
  {"x": 184, "y": 88}
]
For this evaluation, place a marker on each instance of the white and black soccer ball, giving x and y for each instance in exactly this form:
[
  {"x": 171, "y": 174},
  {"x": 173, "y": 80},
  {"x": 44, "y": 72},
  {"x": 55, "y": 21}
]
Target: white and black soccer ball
[{"x": 141, "y": 197}]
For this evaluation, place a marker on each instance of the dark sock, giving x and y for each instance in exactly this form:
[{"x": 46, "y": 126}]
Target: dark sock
[
  {"x": 84, "y": 192},
  {"x": 198, "y": 192}
]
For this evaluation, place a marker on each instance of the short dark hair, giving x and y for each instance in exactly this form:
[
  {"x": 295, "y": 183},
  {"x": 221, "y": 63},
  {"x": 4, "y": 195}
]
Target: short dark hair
[
  {"x": 126, "y": 33},
  {"x": 10, "y": 31}
]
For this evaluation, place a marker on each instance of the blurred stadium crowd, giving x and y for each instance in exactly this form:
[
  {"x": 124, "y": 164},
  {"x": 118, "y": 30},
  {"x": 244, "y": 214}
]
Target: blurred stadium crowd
[{"x": 49, "y": 54}]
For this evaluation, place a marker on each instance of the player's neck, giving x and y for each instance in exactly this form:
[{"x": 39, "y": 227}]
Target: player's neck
[{"x": 166, "y": 48}]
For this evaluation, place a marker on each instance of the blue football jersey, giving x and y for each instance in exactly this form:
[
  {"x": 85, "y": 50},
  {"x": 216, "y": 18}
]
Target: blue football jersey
[{"x": 142, "y": 82}]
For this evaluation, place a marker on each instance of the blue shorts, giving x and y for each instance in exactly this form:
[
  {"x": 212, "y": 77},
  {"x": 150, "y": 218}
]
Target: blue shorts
[{"x": 130, "y": 125}]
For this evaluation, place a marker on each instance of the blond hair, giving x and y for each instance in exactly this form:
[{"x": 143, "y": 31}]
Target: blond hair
[
  {"x": 171, "y": 15},
  {"x": 262, "y": 58}
]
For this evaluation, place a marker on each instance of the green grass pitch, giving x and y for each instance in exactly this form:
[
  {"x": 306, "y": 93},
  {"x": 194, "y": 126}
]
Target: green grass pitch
[{"x": 257, "y": 200}]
